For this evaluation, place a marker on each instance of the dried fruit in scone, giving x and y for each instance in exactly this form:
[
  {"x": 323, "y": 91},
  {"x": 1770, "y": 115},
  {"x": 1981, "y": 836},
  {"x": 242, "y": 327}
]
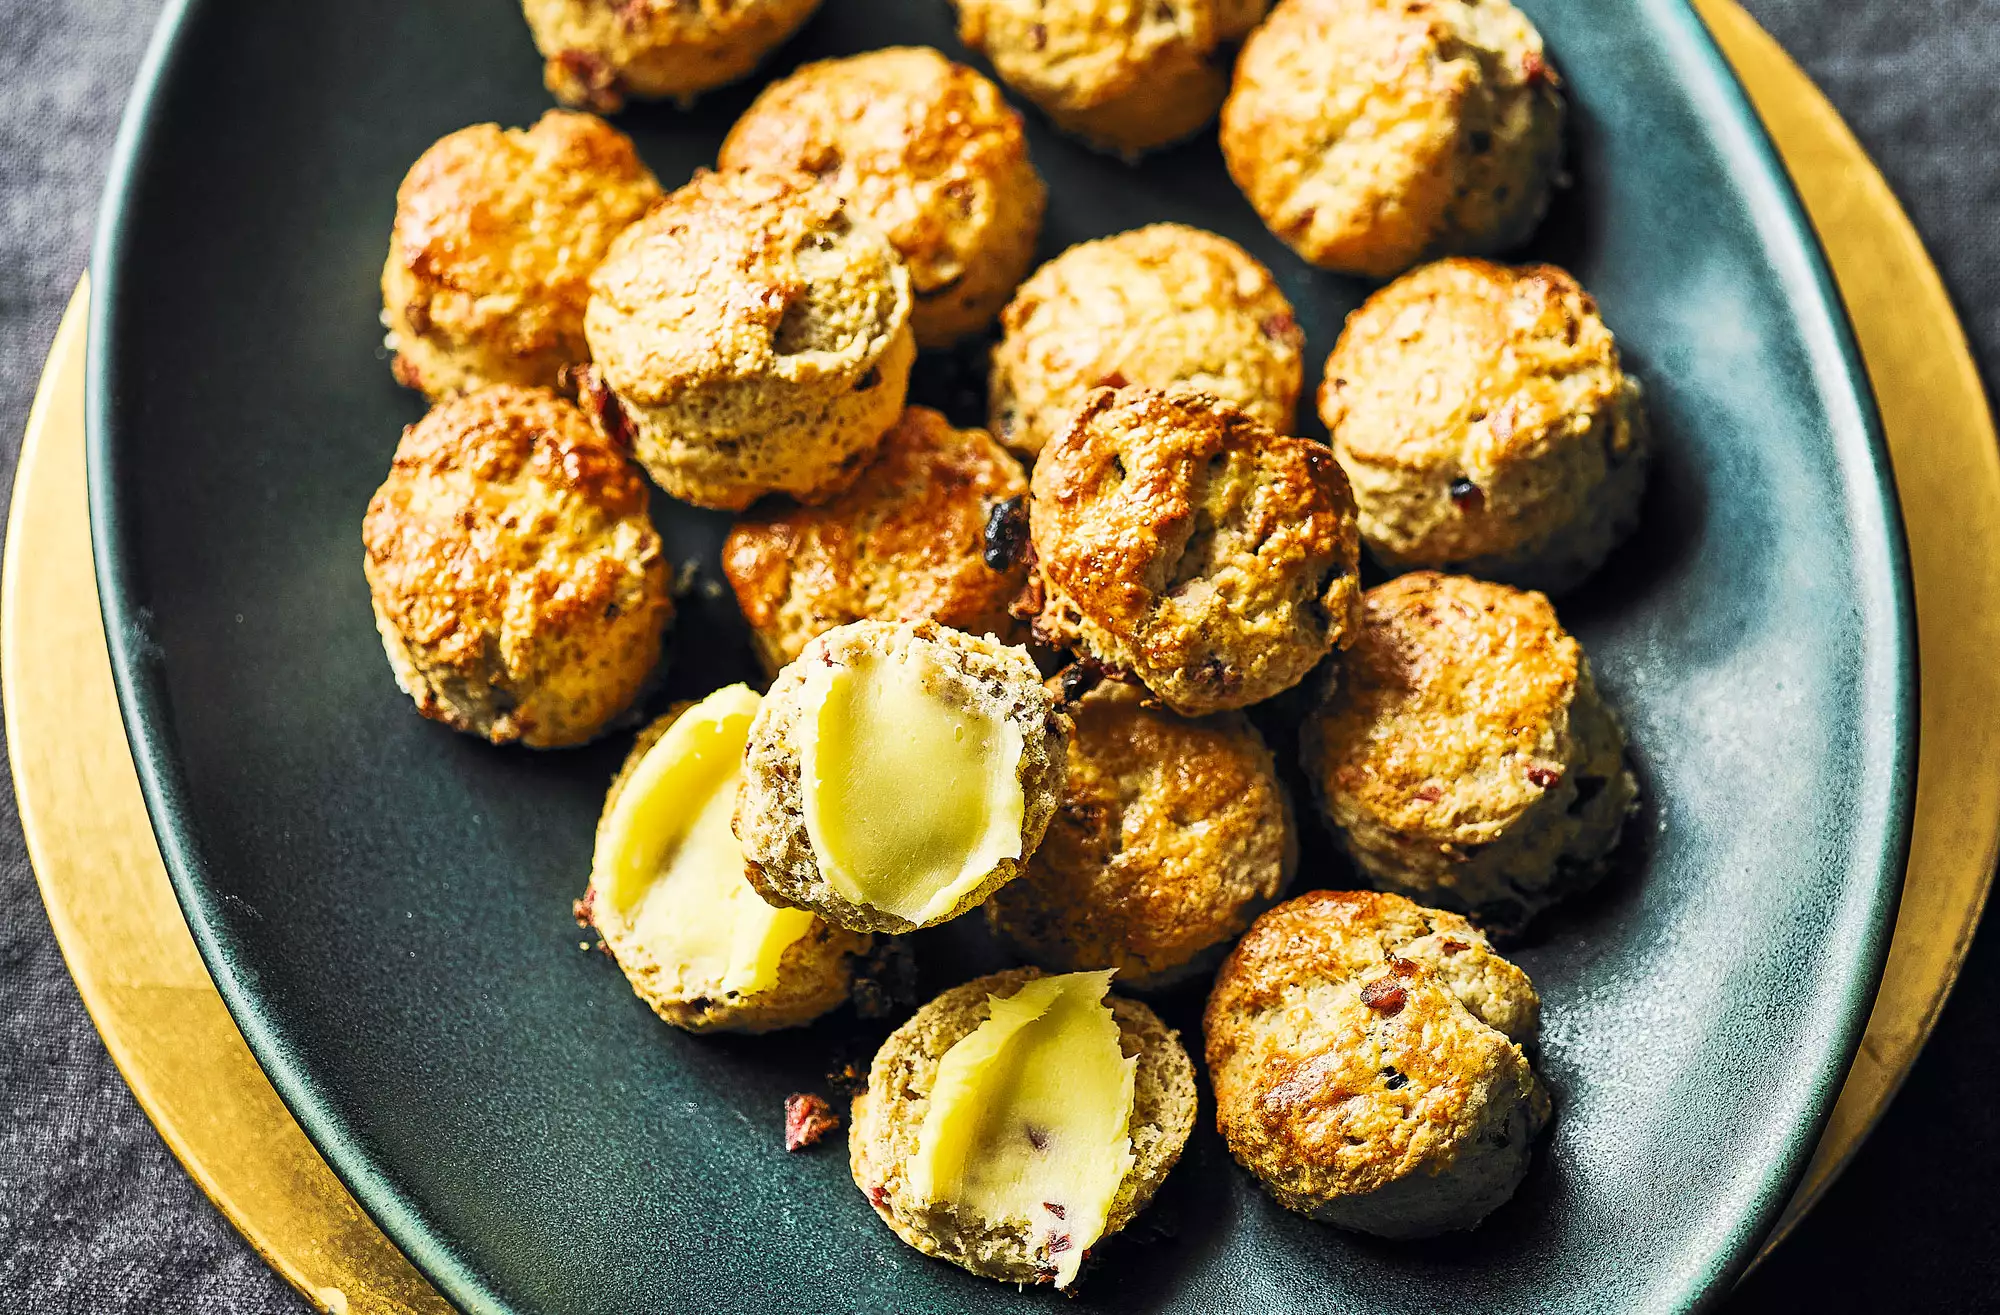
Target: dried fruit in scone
[
  {"x": 898, "y": 774},
  {"x": 925, "y": 150},
  {"x": 752, "y": 336},
  {"x": 599, "y": 52},
  {"x": 1184, "y": 545},
  {"x": 518, "y": 584},
  {"x": 1464, "y": 755},
  {"x": 495, "y": 238},
  {"x": 1366, "y": 1058}
]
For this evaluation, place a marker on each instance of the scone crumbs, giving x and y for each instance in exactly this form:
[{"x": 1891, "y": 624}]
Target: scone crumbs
[{"x": 807, "y": 1119}]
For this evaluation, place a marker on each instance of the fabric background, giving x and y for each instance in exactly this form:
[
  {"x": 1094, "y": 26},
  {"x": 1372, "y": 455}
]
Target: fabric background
[{"x": 97, "y": 1218}]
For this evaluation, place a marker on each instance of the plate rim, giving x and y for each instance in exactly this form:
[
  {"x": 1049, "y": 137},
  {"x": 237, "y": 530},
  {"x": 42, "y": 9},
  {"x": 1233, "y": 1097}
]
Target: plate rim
[{"x": 1835, "y": 362}]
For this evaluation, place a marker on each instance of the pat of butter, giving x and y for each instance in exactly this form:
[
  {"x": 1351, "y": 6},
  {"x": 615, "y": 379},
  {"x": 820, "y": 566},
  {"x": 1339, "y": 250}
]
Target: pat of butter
[
  {"x": 1030, "y": 1117},
  {"x": 671, "y": 868},
  {"x": 910, "y": 798}
]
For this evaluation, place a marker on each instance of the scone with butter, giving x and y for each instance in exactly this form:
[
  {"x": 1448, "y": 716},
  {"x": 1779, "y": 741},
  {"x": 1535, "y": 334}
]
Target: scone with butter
[
  {"x": 668, "y": 895},
  {"x": 898, "y": 774},
  {"x": 1016, "y": 1121}
]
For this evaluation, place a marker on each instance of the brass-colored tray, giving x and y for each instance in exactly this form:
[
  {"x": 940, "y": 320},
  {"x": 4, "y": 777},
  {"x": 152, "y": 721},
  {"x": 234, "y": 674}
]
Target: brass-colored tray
[{"x": 136, "y": 966}]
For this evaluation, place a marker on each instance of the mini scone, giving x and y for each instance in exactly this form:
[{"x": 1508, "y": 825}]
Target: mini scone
[
  {"x": 668, "y": 895},
  {"x": 898, "y": 774},
  {"x": 495, "y": 238},
  {"x": 1369, "y": 134},
  {"x": 1187, "y": 546},
  {"x": 1463, "y": 754},
  {"x": 597, "y": 53},
  {"x": 907, "y": 542},
  {"x": 1366, "y": 1058},
  {"x": 1160, "y": 305},
  {"x": 752, "y": 337},
  {"x": 1483, "y": 417},
  {"x": 925, "y": 150},
  {"x": 1172, "y": 834},
  {"x": 1016, "y": 1121},
  {"x": 518, "y": 583},
  {"x": 1124, "y": 77}
]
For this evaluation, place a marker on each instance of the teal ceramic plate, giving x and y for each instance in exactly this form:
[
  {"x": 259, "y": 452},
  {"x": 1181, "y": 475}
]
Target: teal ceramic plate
[{"x": 386, "y": 905}]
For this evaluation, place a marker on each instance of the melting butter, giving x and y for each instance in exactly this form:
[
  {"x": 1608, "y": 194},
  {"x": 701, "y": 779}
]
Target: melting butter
[{"x": 1029, "y": 1119}]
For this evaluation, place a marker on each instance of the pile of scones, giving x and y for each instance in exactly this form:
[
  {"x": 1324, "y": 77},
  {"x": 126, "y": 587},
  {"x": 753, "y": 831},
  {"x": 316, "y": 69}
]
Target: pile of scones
[{"x": 1134, "y": 551}]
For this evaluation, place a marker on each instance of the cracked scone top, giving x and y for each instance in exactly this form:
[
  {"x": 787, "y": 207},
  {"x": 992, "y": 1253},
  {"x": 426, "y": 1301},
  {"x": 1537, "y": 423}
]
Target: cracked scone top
[
  {"x": 1464, "y": 755},
  {"x": 598, "y": 52},
  {"x": 752, "y": 337},
  {"x": 496, "y": 235},
  {"x": 925, "y": 150},
  {"x": 1367, "y": 1064},
  {"x": 1369, "y": 134},
  {"x": 518, "y": 583},
  {"x": 1160, "y": 305},
  {"x": 1185, "y": 545}
]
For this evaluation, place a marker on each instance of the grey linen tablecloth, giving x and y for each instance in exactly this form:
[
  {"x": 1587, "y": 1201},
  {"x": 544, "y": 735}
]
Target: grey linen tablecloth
[{"x": 95, "y": 1215}]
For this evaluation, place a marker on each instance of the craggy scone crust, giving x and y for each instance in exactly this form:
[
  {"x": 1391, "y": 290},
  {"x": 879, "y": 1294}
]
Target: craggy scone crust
[
  {"x": 519, "y": 586},
  {"x": 1186, "y": 545},
  {"x": 1122, "y": 76},
  {"x": 1367, "y": 1064},
  {"x": 815, "y": 973},
  {"x": 925, "y": 150},
  {"x": 888, "y": 1121},
  {"x": 770, "y": 812},
  {"x": 1172, "y": 834},
  {"x": 1368, "y": 134},
  {"x": 754, "y": 338},
  {"x": 1482, "y": 415},
  {"x": 1160, "y": 305},
  {"x": 905, "y": 543},
  {"x": 495, "y": 238},
  {"x": 598, "y": 52},
  {"x": 1463, "y": 754}
]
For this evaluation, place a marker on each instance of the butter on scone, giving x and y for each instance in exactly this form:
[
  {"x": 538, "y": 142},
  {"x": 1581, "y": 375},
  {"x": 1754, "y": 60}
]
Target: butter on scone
[
  {"x": 1016, "y": 1121},
  {"x": 898, "y": 774},
  {"x": 668, "y": 895}
]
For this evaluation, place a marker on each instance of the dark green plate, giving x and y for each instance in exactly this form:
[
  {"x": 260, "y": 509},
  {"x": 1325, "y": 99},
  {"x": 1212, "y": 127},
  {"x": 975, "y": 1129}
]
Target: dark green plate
[{"x": 386, "y": 905}]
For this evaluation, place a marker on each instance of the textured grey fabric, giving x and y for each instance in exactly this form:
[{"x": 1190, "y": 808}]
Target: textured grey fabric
[{"x": 96, "y": 1218}]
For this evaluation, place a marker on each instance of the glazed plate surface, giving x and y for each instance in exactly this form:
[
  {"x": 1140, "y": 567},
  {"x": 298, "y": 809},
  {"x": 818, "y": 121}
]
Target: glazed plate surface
[{"x": 386, "y": 905}]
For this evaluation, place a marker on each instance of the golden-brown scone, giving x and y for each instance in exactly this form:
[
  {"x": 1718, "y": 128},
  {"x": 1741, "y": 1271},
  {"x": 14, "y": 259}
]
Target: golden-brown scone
[
  {"x": 889, "y": 1118},
  {"x": 815, "y": 974},
  {"x": 1366, "y": 1056},
  {"x": 1464, "y": 755},
  {"x": 1369, "y": 134},
  {"x": 925, "y": 150},
  {"x": 518, "y": 584},
  {"x": 754, "y": 337},
  {"x": 495, "y": 238},
  {"x": 1482, "y": 416},
  {"x": 1160, "y": 305},
  {"x": 1124, "y": 77},
  {"x": 906, "y": 543},
  {"x": 598, "y": 52},
  {"x": 1172, "y": 834},
  {"x": 1185, "y": 545}
]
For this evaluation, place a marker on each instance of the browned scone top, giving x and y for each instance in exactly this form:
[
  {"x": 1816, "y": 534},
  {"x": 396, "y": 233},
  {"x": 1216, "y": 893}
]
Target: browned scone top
[
  {"x": 495, "y": 238},
  {"x": 927, "y": 151},
  {"x": 1171, "y": 835},
  {"x": 1160, "y": 305},
  {"x": 518, "y": 583},
  {"x": 755, "y": 337},
  {"x": 1369, "y": 134},
  {"x": 598, "y": 52},
  {"x": 1366, "y": 1059},
  {"x": 1186, "y": 545},
  {"x": 906, "y": 542},
  {"x": 1484, "y": 418}
]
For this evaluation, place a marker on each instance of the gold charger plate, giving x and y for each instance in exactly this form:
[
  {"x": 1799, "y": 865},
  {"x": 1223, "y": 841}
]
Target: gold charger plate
[{"x": 136, "y": 967}]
